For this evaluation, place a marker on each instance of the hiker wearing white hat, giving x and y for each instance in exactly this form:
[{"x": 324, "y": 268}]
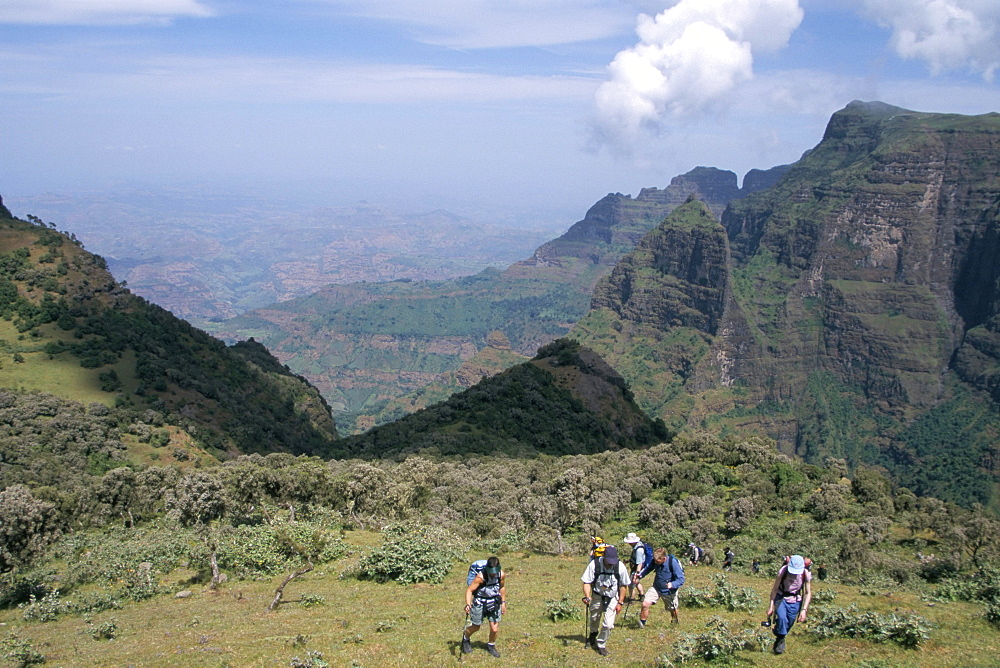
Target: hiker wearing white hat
[{"x": 642, "y": 555}]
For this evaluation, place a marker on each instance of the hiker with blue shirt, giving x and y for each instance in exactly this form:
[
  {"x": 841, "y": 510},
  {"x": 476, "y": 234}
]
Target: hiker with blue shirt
[
  {"x": 669, "y": 578},
  {"x": 790, "y": 597},
  {"x": 486, "y": 596},
  {"x": 605, "y": 583}
]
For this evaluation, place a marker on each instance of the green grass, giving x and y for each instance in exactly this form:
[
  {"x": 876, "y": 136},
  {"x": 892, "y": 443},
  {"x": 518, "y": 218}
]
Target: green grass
[{"x": 231, "y": 628}]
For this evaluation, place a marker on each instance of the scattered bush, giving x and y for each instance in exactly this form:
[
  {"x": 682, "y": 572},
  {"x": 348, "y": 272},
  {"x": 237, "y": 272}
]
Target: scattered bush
[
  {"x": 413, "y": 553},
  {"x": 44, "y": 609},
  {"x": 719, "y": 642},
  {"x": 312, "y": 600},
  {"x": 19, "y": 652},
  {"x": 253, "y": 551},
  {"x": 566, "y": 607},
  {"x": 313, "y": 659},
  {"x": 105, "y": 630},
  {"x": 725, "y": 595},
  {"x": 851, "y": 623}
]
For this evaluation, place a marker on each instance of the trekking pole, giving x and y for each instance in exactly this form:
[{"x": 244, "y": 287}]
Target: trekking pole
[
  {"x": 586, "y": 622},
  {"x": 465, "y": 625}
]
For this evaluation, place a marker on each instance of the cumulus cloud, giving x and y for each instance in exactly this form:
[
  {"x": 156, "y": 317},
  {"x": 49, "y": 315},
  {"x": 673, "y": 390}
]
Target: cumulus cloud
[
  {"x": 689, "y": 57},
  {"x": 946, "y": 34},
  {"x": 98, "y": 12}
]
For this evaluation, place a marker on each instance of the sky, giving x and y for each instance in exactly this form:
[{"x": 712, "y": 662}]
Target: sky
[{"x": 456, "y": 103}]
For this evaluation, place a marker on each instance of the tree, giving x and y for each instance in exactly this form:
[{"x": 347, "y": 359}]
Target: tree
[
  {"x": 197, "y": 501},
  {"x": 27, "y": 526},
  {"x": 117, "y": 493}
]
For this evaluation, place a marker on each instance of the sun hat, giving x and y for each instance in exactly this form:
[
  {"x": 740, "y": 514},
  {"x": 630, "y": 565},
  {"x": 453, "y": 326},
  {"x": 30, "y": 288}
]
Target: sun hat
[
  {"x": 631, "y": 538},
  {"x": 796, "y": 564}
]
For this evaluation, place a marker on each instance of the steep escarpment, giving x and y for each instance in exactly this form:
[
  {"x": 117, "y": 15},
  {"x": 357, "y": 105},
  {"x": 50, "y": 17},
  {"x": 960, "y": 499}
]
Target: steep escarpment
[{"x": 861, "y": 295}]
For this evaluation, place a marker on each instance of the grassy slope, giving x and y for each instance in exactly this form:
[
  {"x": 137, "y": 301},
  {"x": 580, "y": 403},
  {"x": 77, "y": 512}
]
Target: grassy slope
[{"x": 230, "y": 628}]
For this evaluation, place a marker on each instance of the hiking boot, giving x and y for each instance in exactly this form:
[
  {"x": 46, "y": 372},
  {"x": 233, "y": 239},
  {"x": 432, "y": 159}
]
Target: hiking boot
[
  {"x": 592, "y": 640},
  {"x": 779, "y": 645},
  {"x": 466, "y": 645},
  {"x": 492, "y": 649},
  {"x": 642, "y": 623},
  {"x": 602, "y": 651},
  {"x": 675, "y": 621}
]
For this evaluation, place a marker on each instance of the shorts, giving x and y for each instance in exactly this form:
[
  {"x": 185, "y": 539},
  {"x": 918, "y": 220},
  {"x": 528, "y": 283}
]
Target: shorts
[
  {"x": 479, "y": 611},
  {"x": 669, "y": 600}
]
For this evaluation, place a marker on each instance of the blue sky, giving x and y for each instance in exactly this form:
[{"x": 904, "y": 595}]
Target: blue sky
[{"x": 459, "y": 103}]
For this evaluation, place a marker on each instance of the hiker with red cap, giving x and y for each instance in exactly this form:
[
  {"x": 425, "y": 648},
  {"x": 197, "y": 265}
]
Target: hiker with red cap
[
  {"x": 605, "y": 584},
  {"x": 790, "y": 597}
]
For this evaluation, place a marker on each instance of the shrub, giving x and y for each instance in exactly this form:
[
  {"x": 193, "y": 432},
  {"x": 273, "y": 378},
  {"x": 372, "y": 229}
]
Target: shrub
[
  {"x": 105, "y": 630},
  {"x": 44, "y": 609},
  {"x": 313, "y": 600},
  {"x": 257, "y": 550},
  {"x": 110, "y": 556},
  {"x": 19, "y": 652},
  {"x": 313, "y": 659},
  {"x": 719, "y": 642},
  {"x": 412, "y": 553},
  {"x": 19, "y": 589},
  {"x": 852, "y": 623},
  {"x": 564, "y": 608},
  {"x": 724, "y": 595}
]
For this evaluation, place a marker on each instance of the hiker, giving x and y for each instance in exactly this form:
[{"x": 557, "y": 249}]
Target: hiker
[
  {"x": 755, "y": 567},
  {"x": 486, "y": 596},
  {"x": 642, "y": 555},
  {"x": 695, "y": 553},
  {"x": 597, "y": 546},
  {"x": 669, "y": 578},
  {"x": 605, "y": 583},
  {"x": 788, "y": 604},
  {"x": 727, "y": 565}
]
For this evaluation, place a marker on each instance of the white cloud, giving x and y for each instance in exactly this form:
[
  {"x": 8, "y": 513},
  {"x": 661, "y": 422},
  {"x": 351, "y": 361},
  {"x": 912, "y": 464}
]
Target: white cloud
[
  {"x": 98, "y": 12},
  {"x": 946, "y": 34},
  {"x": 474, "y": 24},
  {"x": 689, "y": 58}
]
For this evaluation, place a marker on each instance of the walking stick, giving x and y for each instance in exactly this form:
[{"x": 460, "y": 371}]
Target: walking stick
[
  {"x": 465, "y": 625},
  {"x": 586, "y": 622}
]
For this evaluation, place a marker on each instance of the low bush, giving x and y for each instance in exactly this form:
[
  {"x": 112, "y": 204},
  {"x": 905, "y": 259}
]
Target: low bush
[
  {"x": 850, "y": 622},
  {"x": 413, "y": 553},
  {"x": 255, "y": 551},
  {"x": 725, "y": 595},
  {"x": 566, "y": 607},
  {"x": 19, "y": 652},
  {"x": 719, "y": 642}
]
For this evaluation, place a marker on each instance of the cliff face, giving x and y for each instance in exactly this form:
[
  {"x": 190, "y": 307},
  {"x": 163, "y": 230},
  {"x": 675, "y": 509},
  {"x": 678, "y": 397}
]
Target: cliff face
[{"x": 861, "y": 293}]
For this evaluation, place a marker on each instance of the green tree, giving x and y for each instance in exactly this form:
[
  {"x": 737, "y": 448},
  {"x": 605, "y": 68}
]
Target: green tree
[{"x": 27, "y": 526}]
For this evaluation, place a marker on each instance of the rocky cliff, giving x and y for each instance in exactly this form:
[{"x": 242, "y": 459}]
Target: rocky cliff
[{"x": 860, "y": 295}]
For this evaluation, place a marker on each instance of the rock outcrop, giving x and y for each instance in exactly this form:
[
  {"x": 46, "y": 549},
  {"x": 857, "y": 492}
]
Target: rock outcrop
[{"x": 861, "y": 292}]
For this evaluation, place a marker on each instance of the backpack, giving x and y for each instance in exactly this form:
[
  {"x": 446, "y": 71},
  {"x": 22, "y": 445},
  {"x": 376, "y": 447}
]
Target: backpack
[
  {"x": 475, "y": 568},
  {"x": 647, "y": 556},
  {"x": 606, "y": 582}
]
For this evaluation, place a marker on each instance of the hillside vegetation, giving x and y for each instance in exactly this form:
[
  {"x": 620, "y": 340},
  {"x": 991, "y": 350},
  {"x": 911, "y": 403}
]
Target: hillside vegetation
[
  {"x": 68, "y": 329},
  {"x": 896, "y": 562}
]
